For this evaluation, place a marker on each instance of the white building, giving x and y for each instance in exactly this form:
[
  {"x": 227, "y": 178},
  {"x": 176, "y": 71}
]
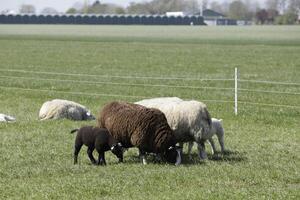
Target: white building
[{"x": 174, "y": 14}]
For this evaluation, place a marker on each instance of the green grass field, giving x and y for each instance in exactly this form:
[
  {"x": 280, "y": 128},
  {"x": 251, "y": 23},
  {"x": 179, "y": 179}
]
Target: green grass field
[{"x": 94, "y": 65}]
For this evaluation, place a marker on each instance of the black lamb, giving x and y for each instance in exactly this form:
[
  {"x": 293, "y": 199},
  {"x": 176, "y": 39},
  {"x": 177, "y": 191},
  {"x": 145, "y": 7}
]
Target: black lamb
[{"x": 99, "y": 139}]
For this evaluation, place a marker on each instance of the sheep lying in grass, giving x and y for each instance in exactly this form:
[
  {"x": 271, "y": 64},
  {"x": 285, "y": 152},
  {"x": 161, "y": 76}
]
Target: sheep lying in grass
[
  {"x": 58, "y": 109},
  {"x": 6, "y": 118},
  {"x": 216, "y": 129},
  {"x": 190, "y": 120},
  {"x": 99, "y": 139},
  {"x": 137, "y": 126}
]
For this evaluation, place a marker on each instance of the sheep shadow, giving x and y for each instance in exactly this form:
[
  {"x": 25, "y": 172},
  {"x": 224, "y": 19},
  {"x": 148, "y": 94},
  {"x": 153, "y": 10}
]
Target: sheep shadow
[
  {"x": 151, "y": 158},
  {"x": 228, "y": 156}
]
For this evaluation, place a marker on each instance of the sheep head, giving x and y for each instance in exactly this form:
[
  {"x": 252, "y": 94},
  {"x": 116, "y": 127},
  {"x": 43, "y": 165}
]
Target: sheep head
[
  {"x": 88, "y": 116},
  {"x": 118, "y": 150},
  {"x": 173, "y": 155}
]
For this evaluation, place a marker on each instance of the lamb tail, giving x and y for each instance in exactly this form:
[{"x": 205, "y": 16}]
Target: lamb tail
[{"x": 74, "y": 130}]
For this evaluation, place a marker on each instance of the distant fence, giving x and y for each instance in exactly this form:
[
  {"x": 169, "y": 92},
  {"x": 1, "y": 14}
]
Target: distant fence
[
  {"x": 234, "y": 90},
  {"x": 103, "y": 19}
]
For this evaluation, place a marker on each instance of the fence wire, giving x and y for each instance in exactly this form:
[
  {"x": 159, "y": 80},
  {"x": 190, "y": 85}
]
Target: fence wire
[
  {"x": 147, "y": 85},
  {"x": 115, "y": 83},
  {"x": 119, "y": 76}
]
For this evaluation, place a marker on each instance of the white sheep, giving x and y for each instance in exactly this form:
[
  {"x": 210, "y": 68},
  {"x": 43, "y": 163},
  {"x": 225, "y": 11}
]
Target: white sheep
[
  {"x": 58, "y": 109},
  {"x": 6, "y": 118},
  {"x": 216, "y": 129},
  {"x": 190, "y": 120}
]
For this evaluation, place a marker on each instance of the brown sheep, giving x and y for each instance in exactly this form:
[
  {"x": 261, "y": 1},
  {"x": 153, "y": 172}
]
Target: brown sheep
[
  {"x": 137, "y": 126},
  {"x": 99, "y": 138}
]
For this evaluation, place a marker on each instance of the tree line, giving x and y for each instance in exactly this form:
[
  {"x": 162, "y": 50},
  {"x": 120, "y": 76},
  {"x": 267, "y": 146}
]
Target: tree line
[{"x": 271, "y": 12}]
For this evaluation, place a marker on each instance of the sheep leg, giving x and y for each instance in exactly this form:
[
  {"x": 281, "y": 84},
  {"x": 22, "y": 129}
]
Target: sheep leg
[
  {"x": 143, "y": 156},
  {"x": 201, "y": 150},
  {"x": 139, "y": 153},
  {"x": 220, "y": 136},
  {"x": 90, "y": 154},
  {"x": 213, "y": 146},
  {"x": 190, "y": 146},
  {"x": 76, "y": 152},
  {"x": 181, "y": 147},
  {"x": 101, "y": 158},
  {"x": 158, "y": 158},
  {"x": 121, "y": 159}
]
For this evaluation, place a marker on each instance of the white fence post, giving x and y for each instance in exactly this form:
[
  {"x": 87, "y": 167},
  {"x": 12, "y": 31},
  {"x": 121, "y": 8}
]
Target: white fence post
[{"x": 235, "y": 91}]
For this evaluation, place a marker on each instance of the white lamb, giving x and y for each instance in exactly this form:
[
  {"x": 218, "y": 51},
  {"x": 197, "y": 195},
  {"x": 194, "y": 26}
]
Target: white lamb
[
  {"x": 190, "y": 120},
  {"x": 58, "y": 109},
  {"x": 6, "y": 118},
  {"x": 216, "y": 129}
]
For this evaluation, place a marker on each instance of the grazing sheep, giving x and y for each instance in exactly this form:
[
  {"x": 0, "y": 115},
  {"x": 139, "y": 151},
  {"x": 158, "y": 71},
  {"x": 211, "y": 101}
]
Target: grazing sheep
[
  {"x": 158, "y": 102},
  {"x": 58, "y": 109},
  {"x": 6, "y": 118},
  {"x": 137, "y": 126},
  {"x": 190, "y": 120},
  {"x": 99, "y": 139},
  {"x": 216, "y": 129}
]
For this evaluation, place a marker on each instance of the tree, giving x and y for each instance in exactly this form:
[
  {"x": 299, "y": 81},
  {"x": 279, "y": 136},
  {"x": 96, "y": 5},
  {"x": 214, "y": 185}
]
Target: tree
[
  {"x": 289, "y": 10},
  {"x": 113, "y": 9},
  {"x": 294, "y": 6},
  {"x": 192, "y": 6},
  {"x": 272, "y": 15},
  {"x": 282, "y": 5},
  {"x": 216, "y": 6},
  {"x": 287, "y": 18},
  {"x": 252, "y": 7},
  {"x": 49, "y": 10},
  {"x": 279, "y": 5},
  {"x": 27, "y": 9},
  {"x": 223, "y": 8},
  {"x": 261, "y": 16},
  {"x": 71, "y": 11},
  {"x": 98, "y": 8},
  {"x": 205, "y": 4},
  {"x": 120, "y": 10},
  {"x": 272, "y": 4},
  {"x": 78, "y": 5},
  {"x": 95, "y": 8},
  {"x": 237, "y": 10},
  {"x": 163, "y": 6},
  {"x": 137, "y": 8}
]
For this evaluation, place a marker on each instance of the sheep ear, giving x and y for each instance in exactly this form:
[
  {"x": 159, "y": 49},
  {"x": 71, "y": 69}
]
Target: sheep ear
[
  {"x": 220, "y": 120},
  {"x": 119, "y": 144},
  {"x": 112, "y": 148}
]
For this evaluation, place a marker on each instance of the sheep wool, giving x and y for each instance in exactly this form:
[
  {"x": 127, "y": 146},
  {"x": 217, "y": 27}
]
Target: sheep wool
[
  {"x": 6, "y": 118},
  {"x": 59, "y": 108},
  {"x": 190, "y": 120},
  {"x": 216, "y": 129},
  {"x": 138, "y": 126}
]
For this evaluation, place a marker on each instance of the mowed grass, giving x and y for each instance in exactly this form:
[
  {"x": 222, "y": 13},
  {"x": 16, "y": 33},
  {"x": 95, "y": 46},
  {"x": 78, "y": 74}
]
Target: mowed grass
[{"x": 94, "y": 65}]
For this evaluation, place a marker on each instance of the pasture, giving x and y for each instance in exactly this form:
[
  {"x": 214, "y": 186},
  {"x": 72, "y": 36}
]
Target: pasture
[{"x": 94, "y": 65}]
